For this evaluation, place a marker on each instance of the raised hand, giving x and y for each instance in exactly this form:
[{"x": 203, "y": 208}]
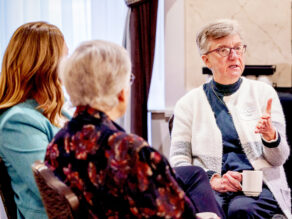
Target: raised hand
[{"x": 264, "y": 125}]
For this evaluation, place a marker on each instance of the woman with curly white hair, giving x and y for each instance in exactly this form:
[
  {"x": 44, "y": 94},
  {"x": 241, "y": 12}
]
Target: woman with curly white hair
[{"x": 113, "y": 173}]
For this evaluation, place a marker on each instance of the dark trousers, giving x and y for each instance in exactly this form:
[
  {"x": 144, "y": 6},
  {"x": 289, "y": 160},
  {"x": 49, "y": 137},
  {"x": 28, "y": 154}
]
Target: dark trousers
[
  {"x": 237, "y": 205},
  {"x": 194, "y": 181}
]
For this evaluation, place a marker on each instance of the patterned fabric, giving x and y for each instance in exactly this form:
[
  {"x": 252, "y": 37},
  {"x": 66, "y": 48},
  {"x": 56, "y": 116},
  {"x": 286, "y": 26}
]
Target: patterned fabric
[{"x": 114, "y": 174}]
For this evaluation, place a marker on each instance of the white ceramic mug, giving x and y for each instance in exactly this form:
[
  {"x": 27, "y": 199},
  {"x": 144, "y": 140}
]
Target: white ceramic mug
[{"x": 252, "y": 182}]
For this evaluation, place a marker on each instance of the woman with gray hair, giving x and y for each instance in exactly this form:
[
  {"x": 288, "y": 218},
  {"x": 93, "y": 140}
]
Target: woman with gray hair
[
  {"x": 229, "y": 124},
  {"x": 115, "y": 174}
]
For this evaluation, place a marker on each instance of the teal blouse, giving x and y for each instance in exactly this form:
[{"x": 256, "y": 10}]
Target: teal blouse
[{"x": 24, "y": 136}]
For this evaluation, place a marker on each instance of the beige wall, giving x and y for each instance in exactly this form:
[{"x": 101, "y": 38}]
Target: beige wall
[
  {"x": 267, "y": 28},
  {"x": 174, "y": 44}
]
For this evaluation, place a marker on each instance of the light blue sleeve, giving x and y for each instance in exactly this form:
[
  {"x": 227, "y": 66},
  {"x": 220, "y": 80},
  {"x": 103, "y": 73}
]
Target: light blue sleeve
[{"x": 24, "y": 139}]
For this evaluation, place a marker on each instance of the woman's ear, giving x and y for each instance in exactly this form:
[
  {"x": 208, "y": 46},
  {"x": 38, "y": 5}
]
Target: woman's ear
[
  {"x": 122, "y": 95},
  {"x": 206, "y": 61}
]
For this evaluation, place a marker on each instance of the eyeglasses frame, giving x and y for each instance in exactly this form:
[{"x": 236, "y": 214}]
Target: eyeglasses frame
[
  {"x": 132, "y": 78},
  {"x": 231, "y": 48}
]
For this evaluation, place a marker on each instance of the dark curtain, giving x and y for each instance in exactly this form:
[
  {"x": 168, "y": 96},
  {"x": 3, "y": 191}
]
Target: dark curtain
[{"x": 142, "y": 30}]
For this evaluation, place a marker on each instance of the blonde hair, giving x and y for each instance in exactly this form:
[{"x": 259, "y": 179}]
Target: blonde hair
[
  {"x": 29, "y": 69},
  {"x": 216, "y": 30},
  {"x": 95, "y": 73}
]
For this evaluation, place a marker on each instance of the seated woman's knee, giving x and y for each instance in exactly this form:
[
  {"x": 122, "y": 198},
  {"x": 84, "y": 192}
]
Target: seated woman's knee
[
  {"x": 241, "y": 208},
  {"x": 189, "y": 173}
]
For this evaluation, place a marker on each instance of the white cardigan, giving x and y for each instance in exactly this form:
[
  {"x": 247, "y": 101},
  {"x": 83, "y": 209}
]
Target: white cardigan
[{"x": 197, "y": 140}]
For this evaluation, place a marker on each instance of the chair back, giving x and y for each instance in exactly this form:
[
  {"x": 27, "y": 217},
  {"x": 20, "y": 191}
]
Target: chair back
[
  {"x": 170, "y": 124},
  {"x": 286, "y": 101},
  {"x": 59, "y": 200},
  {"x": 6, "y": 192}
]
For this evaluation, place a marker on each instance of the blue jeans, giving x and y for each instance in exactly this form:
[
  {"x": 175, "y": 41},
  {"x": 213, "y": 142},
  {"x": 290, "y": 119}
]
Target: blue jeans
[
  {"x": 237, "y": 205},
  {"x": 194, "y": 181}
]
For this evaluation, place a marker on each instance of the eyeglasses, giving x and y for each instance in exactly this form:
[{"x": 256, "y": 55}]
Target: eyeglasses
[
  {"x": 226, "y": 51},
  {"x": 132, "y": 78}
]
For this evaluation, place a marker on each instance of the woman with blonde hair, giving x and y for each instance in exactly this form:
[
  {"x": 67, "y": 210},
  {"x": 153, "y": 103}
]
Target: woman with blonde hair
[{"x": 31, "y": 99}]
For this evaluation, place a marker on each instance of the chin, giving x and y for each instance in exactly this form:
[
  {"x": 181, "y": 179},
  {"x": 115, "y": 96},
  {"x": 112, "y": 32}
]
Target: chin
[
  {"x": 233, "y": 77},
  {"x": 235, "y": 74}
]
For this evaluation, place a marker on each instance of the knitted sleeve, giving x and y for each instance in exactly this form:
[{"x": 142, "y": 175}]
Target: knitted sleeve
[{"x": 180, "y": 149}]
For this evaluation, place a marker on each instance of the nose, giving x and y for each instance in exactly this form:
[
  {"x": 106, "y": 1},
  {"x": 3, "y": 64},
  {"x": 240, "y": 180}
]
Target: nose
[{"x": 232, "y": 54}]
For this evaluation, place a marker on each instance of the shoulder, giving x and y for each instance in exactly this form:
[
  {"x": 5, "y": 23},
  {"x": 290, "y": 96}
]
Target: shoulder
[
  {"x": 190, "y": 101},
  {"x": 130, "y": 140},
  {"x": 257, "y": 85},
  {"x": 191, "y": 94},
  {"x": 24, "y": 116},
  {"x": 23, "y": 128},
  {"x": 190, "y": 97},
  {"x": 259, "y": 91},
  {"x": 136, "y": 146}
]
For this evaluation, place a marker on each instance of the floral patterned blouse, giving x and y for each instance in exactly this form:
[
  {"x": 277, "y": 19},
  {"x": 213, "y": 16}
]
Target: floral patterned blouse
[{"x": 115, "y": 174}]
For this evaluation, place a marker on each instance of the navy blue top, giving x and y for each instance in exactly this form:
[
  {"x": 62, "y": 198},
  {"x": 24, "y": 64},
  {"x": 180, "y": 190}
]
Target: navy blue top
[{"x": 234, "y": 157}]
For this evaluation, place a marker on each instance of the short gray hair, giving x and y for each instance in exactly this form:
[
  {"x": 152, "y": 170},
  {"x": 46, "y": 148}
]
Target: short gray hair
[
  {"x": 95, "y": 73},
  {"x": 216, "y": 30}
]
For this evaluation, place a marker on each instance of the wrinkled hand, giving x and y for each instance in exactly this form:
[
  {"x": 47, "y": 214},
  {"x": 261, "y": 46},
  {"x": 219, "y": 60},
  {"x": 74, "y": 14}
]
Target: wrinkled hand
[
  {"x": 229, "y": 182},
  {"x": 264, "y": 125}
]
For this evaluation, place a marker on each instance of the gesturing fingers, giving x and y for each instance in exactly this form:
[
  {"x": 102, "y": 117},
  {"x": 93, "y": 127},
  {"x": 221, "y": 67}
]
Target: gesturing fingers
[
  {"x": 264, "y": 125},
  {"x": 269, "y": 107}
]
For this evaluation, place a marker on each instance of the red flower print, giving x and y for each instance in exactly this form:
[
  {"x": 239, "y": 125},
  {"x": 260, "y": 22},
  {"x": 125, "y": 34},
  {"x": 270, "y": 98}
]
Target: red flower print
[
  {"x": 73, "y": 178},
  {"x": 143, "y": 172},
  {"x": 84, "y": 142},
  {"x": 169, "y": 205},
  {"x": 95, "y": 178},
  {"x": 88, "y": 197},
  {"x": 134, "y": 211},
  {"x": 122, "y": 177},
  {"x": 67, "y": 143},
  {"x": 156, "y": 158},
  {"x": 147, "y": 212},
  {"x": 52, "y": 154}
]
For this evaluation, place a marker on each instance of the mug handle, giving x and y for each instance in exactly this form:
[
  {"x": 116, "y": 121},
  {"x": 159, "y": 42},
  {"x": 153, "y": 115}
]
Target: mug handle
[{"x": 241, "y": 182}]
